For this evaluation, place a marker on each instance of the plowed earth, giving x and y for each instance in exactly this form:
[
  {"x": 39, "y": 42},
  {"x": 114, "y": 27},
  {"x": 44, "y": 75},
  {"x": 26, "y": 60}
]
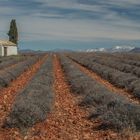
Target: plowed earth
[{"x": 67, "y": 121}]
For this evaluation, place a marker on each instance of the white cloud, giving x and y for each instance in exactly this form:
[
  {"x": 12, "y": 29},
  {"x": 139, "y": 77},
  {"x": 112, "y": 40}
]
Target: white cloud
[
  {"x": 62, "y": 29},
  {"x": 33, "y": 27}
]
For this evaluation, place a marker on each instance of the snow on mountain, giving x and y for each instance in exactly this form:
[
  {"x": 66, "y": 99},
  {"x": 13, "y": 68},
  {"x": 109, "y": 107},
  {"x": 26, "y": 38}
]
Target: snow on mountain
[
  {"x": 123, "y": 48},
  {"x": 135, "y": 50},
  {"x": 96, "y": 50}
]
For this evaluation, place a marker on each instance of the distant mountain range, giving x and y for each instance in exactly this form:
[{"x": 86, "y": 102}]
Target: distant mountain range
[
  {"x": 61, "y": 50},
  {"x": 26, "y": 51},
  {"x": 113, "y": 49},
  {"x": 116, "y": 49},
  {"x": 39, "y": 51},
  {"x": 136, "y": 50},
  {"x": 29, "y": 51}
]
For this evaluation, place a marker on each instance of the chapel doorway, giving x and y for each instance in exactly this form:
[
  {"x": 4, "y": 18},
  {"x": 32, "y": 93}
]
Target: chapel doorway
[{"x": 5, "y": 51}]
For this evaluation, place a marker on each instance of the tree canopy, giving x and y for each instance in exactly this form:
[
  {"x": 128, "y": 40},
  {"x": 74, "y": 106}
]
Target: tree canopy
[{"x": 13, "y": 32}]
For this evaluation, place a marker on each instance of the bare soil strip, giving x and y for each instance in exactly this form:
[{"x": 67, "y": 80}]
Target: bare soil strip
[
  {"x": 111, "y": 87},
  {"x": 7, "y": 97},
  {"x": 67, "y": 121}
]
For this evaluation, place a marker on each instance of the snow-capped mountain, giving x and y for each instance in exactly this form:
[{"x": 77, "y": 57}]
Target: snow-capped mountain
[
  {"x": 113, "y": 49},
  {"x": 122, "y": 49},
  {"x": 96, "y": 50},
  {"x": 135, "y": 50}
]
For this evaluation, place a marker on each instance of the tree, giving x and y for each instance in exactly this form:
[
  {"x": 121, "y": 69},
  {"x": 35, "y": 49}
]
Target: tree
[{"x": 13, "y": 32}]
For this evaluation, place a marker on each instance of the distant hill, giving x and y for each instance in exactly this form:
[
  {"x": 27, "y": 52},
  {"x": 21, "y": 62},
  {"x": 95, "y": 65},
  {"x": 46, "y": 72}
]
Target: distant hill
[
  {"x": 121, "y": 48},
  {"x": 26, "y": 51},
  {"x": 113, "y": 49},
  {"x": 39, "y": 51},
  {"x": 135, "y": 50},
  {"x": 116, "y": 49},
  {"x": 61, "y": 50},
  {"x": 29, "y": 51}
]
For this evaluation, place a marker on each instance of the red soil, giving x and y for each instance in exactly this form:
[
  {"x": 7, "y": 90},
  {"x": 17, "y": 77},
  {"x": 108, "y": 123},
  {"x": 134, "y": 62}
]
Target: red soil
[{"x": 67, "y": 121}]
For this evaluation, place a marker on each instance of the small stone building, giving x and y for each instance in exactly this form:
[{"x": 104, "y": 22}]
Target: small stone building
[{"x": 8, "y": 48}]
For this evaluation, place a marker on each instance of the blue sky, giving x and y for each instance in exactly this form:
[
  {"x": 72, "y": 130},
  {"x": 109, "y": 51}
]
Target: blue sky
[{"x": 72, "y": 24}]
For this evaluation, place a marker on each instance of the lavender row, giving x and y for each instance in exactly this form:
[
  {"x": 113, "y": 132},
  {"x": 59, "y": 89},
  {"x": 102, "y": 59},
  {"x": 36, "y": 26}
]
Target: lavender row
[
  {"x": 11, "y": 61},
  {"x": 117, "y": 78},
  {"x": 12, "y": 73},
  {"x": 113, "y": 63},
  {"x": 126, "y": 58},
  {"x": 35, "y": 101},
  {"x": 114, "y": 111}
]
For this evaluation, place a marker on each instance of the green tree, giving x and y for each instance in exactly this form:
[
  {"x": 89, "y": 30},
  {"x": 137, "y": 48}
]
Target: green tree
[{"x": 13, "y": 32}]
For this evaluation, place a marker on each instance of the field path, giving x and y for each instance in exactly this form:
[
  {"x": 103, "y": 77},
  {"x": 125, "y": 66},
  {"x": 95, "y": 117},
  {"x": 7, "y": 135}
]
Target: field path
[
  {"x": 67, "y": 121},
  {"x": 110, "y": 87},
  {"x": 7, "y": 97}
]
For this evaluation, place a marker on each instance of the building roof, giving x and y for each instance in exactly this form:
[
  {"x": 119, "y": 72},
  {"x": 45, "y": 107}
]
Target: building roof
[{"x": 6, "y": 43}]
